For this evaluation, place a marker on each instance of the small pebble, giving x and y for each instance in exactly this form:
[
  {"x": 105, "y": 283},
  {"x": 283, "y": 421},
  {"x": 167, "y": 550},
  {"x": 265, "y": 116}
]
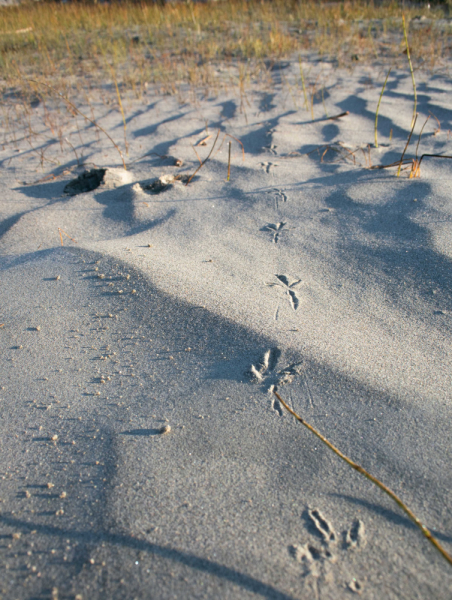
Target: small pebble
[{"x": 165, "y": 429}]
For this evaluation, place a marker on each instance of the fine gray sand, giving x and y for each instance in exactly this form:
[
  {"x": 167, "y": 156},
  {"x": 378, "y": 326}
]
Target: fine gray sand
[{"x": 142, "y": 452}]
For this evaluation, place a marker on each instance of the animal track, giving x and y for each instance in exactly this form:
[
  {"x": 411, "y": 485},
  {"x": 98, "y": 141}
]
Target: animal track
[
  {"x": 323, "y": 526},
  {"x": 279, "y": 195},
  {"x": 272, "y": 148},
  {"x": 276, "y": 229},
  {"x": 267, "y": 166},
  {"x": 355, "y": 537},
  {"x": 316, "y": 557},
  {"x": 311, "y": 557},
  {"x": 266, "y": 373},
  {"x": 288, "y": 284}
]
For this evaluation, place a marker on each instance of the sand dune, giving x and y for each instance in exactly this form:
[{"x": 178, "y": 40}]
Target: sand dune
[{"x": 143, "y": 453}]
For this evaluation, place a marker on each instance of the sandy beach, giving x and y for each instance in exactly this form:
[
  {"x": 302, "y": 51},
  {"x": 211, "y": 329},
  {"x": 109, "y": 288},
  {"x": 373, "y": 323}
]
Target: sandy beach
[{"x": 143, "y": 453}]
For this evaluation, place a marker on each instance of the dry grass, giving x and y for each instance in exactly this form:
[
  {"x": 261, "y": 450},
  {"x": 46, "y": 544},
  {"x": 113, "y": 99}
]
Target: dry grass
[
  {"x": 108, "y": 53},
  {"x": 185, "y": 43}
]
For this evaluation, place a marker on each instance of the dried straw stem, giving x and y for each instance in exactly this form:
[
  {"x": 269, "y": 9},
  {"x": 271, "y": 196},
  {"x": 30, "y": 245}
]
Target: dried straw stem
[
  {"x": 378, "y": 107},
  {"x": 426, "y": 532},
  {"x": 406, "y": 145},
  {"x": 74, "y": 108},
  {"x": 205, "y": 160},
  {"x": 60, "y": 231},
  {"x": 121, "y": 109}
]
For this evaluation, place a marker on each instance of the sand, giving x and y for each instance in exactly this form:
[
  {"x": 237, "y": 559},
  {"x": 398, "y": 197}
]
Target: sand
[{"x": 143, "y": 454}]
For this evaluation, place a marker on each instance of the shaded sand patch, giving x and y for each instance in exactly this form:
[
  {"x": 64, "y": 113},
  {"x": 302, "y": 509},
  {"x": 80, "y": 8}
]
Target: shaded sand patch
[{"x": 103, "y": 505}]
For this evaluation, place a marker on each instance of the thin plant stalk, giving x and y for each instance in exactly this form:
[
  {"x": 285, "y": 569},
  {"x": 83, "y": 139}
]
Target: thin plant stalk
[
  {"x": 232, "y": 138},
  {"x": 229, "y": 161},
  {"x": 378, "y": 107},
  {"x": 420, "y": 135},
  {"x": 60, "y": 231},
  {"x": 417, "y": 169},
  {"x": 426, "y": 532},
  {"x": 75, "y": 109},
  {"x": 406, "y": 145},
  {"x": 334, "y": 117},
  {"x": 73, "y": 149},
  {"x": 205, "y": 160},
  {"x": 411, "y": 70},
  {"x": 305, "y": 94},
  {"x": 197, "y": 155},
  {"x": 122, "y": 110}
]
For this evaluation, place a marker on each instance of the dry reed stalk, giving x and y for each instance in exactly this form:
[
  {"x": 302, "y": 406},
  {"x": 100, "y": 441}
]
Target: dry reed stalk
[
  {"x": 205, "y": 160},
  {"x": 426, "y": 532},
  {"x": 406, "y": 145},
  {"x": 232, "y": 138},
  {"x": 339, "y": 116},
  {"x": 60, "y": 231},
  {"x": 73, "y": 149},
  {"x": 416, "y": 168},
  {"x": 435, "y": 133},
  {"x": 394, "y": 164},
  {"x": 229, "y": 161},
  {"x": 204, "y": 141},
  {"x": 420, "y": 135},
  {"x": 378, "y": 107},
  {"x": 75, "y": 109},
  {"x": 197, "y": 155},
  {"x": 121, "y": 109}
]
